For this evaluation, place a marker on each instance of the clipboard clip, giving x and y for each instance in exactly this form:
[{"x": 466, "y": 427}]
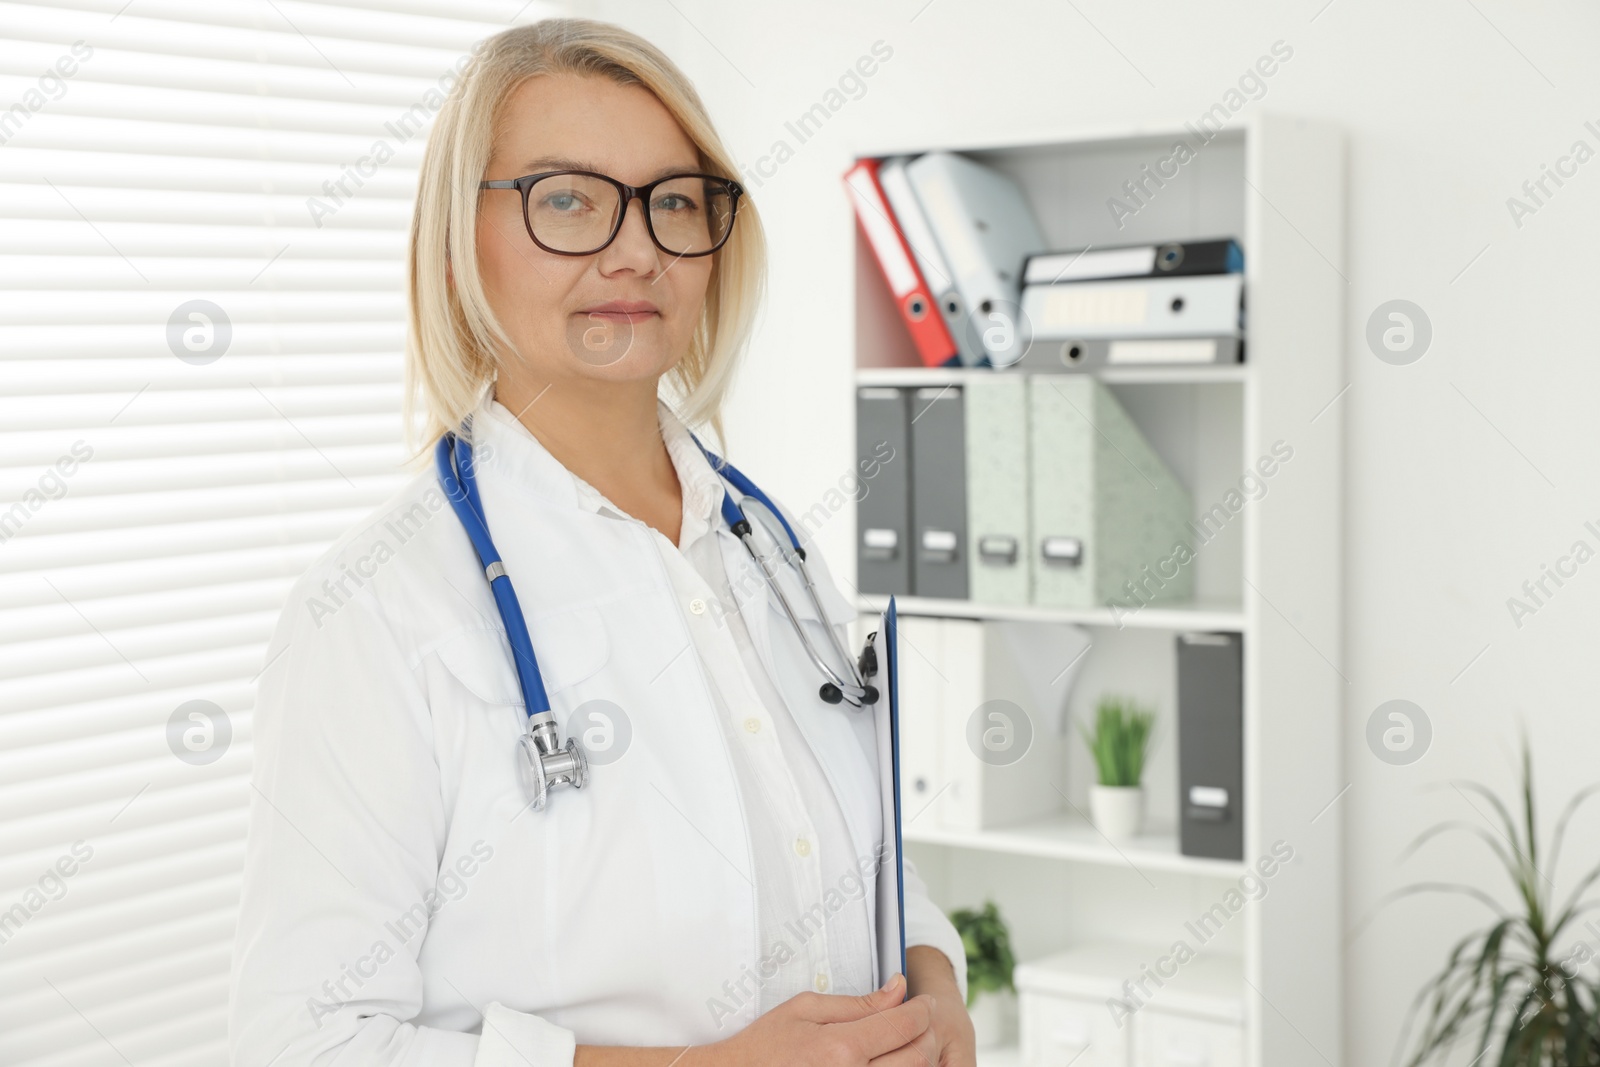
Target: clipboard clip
[{"x": 867, "y": 662}]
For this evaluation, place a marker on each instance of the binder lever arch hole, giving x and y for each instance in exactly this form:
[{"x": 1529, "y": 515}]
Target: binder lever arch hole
[
  {"x": 939, "y": 546},
  {"x": 1062, "y": 551},
  {"x": 998, "y": 549},
  {"x": 880, "y": 543}
]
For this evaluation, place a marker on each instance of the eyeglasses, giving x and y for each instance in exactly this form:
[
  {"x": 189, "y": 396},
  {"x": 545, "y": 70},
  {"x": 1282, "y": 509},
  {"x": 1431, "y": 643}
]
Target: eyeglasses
[{"x": 579, "y": 212}]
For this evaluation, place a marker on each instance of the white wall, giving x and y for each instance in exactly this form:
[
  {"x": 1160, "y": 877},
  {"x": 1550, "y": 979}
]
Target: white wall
[{"x": 1466, "y": 470}]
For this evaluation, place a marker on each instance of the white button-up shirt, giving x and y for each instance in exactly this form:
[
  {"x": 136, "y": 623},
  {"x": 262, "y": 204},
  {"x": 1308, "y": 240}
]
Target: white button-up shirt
[
  {"x": 402, "y": 905},
  {"x": 799, "y": 840}
]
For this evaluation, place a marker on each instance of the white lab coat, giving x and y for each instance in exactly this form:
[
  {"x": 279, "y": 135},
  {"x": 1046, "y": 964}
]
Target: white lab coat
[{"x": 398, "y": 895}]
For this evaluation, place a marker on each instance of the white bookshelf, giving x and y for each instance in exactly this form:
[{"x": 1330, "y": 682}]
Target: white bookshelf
[{"x": 1277, "y": 184}]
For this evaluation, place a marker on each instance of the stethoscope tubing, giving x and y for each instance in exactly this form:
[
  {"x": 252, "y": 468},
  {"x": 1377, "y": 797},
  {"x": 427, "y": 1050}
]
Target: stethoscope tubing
[
  {"x": 740, "y": 523},
  {"x": 454, "y": 455},
  {"x": 454, "y": 459}
]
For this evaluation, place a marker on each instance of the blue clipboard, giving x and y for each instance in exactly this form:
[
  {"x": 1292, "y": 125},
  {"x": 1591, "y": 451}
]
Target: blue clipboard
[{"x": 891, "y": 898}]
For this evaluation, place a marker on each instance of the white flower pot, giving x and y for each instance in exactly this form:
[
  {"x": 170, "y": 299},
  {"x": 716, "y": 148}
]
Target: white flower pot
[
  {"x": 1117, "y": 810},
  {"x": 993, "y": 1014}
]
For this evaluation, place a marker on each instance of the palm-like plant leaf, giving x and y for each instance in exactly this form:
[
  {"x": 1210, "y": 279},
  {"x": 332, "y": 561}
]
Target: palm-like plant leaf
[{"x": 1505, "y": 985}]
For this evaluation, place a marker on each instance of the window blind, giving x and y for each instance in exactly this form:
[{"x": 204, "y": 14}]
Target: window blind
[{"x": 203, "y": 208}]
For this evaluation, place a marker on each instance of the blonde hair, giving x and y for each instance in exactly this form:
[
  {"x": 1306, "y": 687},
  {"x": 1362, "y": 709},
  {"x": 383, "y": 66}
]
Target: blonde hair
[{"x": 454, "y": 340}]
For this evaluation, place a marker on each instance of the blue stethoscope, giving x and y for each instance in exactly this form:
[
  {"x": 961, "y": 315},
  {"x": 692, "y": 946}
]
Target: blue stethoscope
[{"x": 545, "y": 762}]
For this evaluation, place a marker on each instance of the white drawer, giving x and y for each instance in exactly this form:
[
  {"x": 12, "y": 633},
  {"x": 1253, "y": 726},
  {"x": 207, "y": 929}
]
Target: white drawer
[
  {"x": 1055, "y": 1029},
  {"x": 1161, "y": 1039}
]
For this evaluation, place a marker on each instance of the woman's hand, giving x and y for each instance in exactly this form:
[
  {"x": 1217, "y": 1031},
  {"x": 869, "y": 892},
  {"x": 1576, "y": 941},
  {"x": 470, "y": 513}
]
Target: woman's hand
[
  {"x": 930, "y": 973},
  {"x": 820, "y": 1030}
]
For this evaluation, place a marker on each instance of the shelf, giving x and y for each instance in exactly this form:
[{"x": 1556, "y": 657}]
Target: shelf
[
  {"x": 1198, "y": 616},
  {"x": 1233, "y": 372},
  {"x": 930, "y": 376},
  {"x": 1143, "y": 136},
  {"x": 1069, "y": 837}
]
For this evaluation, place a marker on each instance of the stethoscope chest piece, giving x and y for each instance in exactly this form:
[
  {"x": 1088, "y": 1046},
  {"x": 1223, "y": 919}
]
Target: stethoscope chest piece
[{"x": 542, "y": 764}]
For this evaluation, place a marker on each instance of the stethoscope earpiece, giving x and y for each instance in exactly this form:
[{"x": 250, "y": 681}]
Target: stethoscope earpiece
[{"x": 831, "y": 694}]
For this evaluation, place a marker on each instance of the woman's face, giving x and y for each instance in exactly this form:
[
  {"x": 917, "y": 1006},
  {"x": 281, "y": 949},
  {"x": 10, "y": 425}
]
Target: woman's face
[{"x": 626, "y": 312}]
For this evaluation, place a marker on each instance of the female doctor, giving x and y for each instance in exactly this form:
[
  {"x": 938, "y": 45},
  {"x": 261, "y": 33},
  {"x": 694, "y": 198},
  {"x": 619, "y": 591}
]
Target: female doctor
[{"x": 675, "y": 863}]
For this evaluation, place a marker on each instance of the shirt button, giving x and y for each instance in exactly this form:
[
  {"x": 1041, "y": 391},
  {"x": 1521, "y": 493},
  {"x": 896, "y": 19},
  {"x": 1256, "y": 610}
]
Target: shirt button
[
  {"x": 802, "y": 847},
  {"x": 753, "y": 725},
  {"x": 822, "y": 982},
  {"x": 697, "y": 606}
]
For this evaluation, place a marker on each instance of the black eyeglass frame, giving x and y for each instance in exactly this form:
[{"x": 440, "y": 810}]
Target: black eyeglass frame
[{"x": 628, "y": 193}]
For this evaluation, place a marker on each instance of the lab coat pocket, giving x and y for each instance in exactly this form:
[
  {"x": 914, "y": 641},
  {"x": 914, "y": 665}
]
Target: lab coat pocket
[{"x": 571, "y": 644}]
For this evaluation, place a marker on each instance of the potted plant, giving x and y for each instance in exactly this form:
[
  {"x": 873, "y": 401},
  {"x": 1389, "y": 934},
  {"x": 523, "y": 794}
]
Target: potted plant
[
  {"x": 991, "y": 997},
  {"x": 1118, "y": 743},
  {"x": 1507, "y": 985}
]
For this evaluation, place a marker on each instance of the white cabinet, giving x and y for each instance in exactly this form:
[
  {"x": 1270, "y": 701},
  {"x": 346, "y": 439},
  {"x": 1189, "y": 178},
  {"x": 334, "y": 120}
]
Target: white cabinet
[
  {"x": 1077, "y": 1008},
  {"x": 1059, "y": 1029},
  {"x": 1162, "y": 1039}
]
